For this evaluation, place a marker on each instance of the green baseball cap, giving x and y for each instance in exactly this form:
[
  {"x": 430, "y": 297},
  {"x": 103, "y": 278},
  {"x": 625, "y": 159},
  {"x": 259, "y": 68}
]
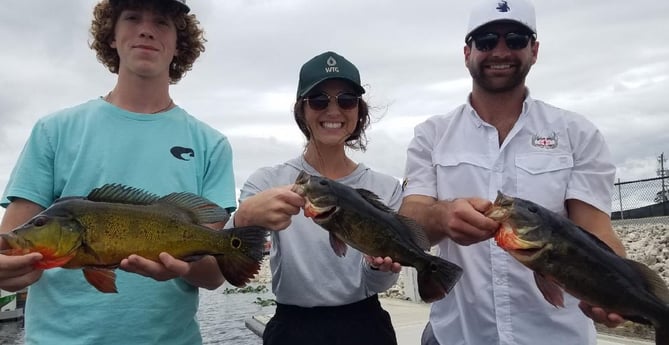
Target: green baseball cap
[{"x": 328, "y": 65}]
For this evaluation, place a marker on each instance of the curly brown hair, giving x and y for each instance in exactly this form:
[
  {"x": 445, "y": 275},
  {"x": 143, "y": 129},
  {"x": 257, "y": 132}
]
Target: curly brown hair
[
  {"x": 357, "y": 140},
  {"x": 190, "y": 37}
]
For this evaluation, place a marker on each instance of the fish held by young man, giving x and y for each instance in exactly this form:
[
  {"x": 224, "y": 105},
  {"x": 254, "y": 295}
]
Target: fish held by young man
[
  {"x": 94, "y": 233},
  {"x": 566, "y": 257},
  {"x": 358, "y": 218}
]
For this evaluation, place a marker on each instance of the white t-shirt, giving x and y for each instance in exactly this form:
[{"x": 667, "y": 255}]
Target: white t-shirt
[{"x": 549, "y": 156}]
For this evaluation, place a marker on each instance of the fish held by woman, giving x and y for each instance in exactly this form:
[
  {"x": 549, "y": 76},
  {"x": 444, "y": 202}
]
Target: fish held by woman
[
  {"x": 94, "y": 233},
  {"x": 566, "y": 257},
  {"x": 358, "y": 218}
]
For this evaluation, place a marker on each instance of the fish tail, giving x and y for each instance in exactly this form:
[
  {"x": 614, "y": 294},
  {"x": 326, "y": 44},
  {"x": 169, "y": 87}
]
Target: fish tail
[
  {"x": 662, "y": 334},
  {"x": 245, "y": 251},
  {"x": 436, "y": 278}
]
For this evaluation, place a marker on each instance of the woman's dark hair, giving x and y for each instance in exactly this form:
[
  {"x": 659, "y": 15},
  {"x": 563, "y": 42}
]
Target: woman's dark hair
[
  {"x": 357, "y": 140},
  {"x": 190, "y": 38}
]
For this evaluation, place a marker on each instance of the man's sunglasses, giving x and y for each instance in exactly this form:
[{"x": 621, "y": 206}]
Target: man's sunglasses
[
  {"x": 487, "y": 41},
  {"x": 320, "y": 101}
]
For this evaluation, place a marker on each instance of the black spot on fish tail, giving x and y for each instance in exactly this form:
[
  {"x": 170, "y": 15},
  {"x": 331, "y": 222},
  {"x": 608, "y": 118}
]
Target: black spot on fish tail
[
  {"x": 437, "y": 278},
  {"x": 242, "y": 261}
]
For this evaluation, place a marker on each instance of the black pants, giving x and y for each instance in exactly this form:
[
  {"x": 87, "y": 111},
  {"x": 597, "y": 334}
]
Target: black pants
[{"x": 360, "y": 323}]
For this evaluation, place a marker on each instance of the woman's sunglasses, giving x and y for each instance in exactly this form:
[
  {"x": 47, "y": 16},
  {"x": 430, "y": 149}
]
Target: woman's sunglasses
[
  {"x": 487, "y": 41},
  {"x": 320, "y": 101}
]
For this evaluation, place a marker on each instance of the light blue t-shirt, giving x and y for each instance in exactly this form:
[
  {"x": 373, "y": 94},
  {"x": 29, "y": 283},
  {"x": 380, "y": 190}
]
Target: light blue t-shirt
[{"x": 75, "y": 150}]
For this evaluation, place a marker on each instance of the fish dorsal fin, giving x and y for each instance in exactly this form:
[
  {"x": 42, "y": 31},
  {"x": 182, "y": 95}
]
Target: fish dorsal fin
[
  {"x": 597, "y": 241},
  {"x": 373, "y": 199},
  {"x": 417, "y": 232},
  {"x": 202, "y": 210},
  {"x": 655, "y": 283},
  {"x": 119, "y": 193}
]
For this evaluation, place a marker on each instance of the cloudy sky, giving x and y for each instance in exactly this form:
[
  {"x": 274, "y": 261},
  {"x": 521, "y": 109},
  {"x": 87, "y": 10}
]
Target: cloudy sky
[{"x": 608, "y": 60}]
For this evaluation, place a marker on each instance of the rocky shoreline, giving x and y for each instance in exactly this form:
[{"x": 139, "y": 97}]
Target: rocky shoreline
[{"x": 645, "y": 241}]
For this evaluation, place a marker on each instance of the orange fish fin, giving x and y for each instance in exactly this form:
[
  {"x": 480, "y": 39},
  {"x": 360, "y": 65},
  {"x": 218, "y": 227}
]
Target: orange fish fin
[
  {"x": 242, "y": 262},
  {"x": 551, "y": 291},
  {"x": 338, "y": 245},
  {"x": 102, "y": 279}
]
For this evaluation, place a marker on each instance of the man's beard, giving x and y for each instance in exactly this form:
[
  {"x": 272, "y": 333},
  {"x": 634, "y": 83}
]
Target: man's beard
[{"x": 498, "y": 84}]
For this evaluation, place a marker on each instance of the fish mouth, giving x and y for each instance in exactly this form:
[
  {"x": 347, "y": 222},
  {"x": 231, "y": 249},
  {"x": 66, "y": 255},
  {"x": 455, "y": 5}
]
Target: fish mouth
[
  {"x": 18, "y": 245},
  {"x": 498, "y": 213},
  {"x": 507, "y": 238},
  {"x": 318, "y": 214}
]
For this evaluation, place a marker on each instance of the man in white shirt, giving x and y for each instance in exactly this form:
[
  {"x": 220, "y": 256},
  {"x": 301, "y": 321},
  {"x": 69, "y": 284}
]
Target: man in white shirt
[{"x": 502, "y": 139}]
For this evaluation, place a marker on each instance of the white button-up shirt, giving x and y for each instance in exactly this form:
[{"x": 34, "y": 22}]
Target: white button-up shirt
[{"x": 549, "y": 156}]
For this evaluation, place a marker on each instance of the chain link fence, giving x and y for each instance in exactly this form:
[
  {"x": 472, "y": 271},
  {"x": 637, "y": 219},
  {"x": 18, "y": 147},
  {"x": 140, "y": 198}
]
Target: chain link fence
[{"x": 641, "y": 198}]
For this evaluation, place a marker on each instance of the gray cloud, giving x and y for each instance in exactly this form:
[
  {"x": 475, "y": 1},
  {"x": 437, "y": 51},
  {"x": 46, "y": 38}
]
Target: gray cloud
[{"x": 604, "y": 59}]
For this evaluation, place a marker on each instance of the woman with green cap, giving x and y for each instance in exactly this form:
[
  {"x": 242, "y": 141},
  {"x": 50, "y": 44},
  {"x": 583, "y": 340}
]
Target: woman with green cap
[{"x": 322, "y": 298}]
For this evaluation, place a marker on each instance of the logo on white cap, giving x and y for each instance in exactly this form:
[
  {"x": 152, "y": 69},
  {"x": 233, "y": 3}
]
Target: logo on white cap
[
  {"x": 503, "y": 6},
  {"x": 488, "y": 11}
]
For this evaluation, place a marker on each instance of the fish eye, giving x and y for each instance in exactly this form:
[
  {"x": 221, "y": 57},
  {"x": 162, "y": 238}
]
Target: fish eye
[
  {"x": 323, "y": 183},
  {"x": 533, "y": 209},
  {"x": 39, "y": 221}
]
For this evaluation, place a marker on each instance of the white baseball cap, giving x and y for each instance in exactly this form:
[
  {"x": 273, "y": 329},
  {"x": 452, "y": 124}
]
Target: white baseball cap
[{"x": 488, "y": 11}]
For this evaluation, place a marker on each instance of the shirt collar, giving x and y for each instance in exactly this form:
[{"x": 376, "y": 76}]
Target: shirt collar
[{"x": 478, "y": 122}]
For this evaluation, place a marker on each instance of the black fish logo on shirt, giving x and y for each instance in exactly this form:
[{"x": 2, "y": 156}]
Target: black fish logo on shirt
[{"x": 183, "y": 153}]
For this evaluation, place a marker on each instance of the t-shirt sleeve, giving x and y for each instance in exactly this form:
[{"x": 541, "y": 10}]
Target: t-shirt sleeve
[
  {"x": 219, "y": 178},
  {"x": 33, "y": 175},
  {"x": 419, "y": 175}
]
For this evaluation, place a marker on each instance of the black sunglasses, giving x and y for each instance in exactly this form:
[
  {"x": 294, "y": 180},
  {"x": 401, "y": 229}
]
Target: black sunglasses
[
  {"x": 487, "y": 41},
  {"x": 320, "y": 101}
]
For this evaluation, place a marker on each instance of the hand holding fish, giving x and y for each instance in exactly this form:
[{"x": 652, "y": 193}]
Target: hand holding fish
[
  {"x": 357, "y": 218},
  {"x": 198, "y": 273},
  {"x": 271, "y": 208},
  {"x": 581, "y": 264},
  {"x": 462, "y": 220},
  {"x": 383, "y": 264},
  {"x": 116, "y": 223},
  {"x": 600, "y": 315},
  {"x": 17, "y": 272}
]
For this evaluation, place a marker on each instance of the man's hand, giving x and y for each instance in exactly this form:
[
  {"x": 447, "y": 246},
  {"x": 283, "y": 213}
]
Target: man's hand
[{"x": 599, "y": 315}]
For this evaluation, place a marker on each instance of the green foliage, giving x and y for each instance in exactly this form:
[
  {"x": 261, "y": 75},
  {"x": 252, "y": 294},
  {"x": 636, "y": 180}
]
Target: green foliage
[
  {"x": 264, "y": 302},
  {"x": 247, "y": 289}
]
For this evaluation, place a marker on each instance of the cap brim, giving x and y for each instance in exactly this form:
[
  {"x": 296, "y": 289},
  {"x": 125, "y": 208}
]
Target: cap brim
[
  {"x": 498, "y": 21},
  {"x": 357, "y": 87},
  {"x": 183, "y": 6}
]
